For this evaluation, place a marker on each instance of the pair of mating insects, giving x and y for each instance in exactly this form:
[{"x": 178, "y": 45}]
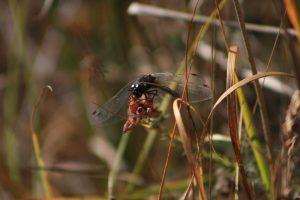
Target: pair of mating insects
[{"x": 139, "y": 98}]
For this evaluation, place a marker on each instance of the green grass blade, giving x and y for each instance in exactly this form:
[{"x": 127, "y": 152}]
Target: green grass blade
[
  {"x": 116, "y": 165},
  {"x": 255, "y": 144},
  {"x": 41, "y": 164},
  {"x": 37, "y": 149}
]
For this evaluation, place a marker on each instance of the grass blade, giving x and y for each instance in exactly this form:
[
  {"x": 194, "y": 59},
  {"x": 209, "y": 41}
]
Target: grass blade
[
  {"x": 254, "y": 142},
  {"x": 37, "y": 149},
  {"x": 116, "y": 165},
  {"x": 258, "y": 90},
  {"x": 232, "y": 117},
  {"x": 186, "y": 143},
  {"x": 244, "y": 82}
]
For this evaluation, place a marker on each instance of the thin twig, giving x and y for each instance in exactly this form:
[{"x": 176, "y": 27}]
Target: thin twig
[
  {"x": 221, "y": 24},
  {"x": 148, "y": 10}
]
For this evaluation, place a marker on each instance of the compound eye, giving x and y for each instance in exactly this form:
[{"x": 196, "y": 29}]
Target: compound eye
[{"x": 139, "y": 110}]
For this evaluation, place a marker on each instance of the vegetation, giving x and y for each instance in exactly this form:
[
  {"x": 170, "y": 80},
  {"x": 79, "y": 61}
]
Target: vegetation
[{"x": 60, "y": 60}]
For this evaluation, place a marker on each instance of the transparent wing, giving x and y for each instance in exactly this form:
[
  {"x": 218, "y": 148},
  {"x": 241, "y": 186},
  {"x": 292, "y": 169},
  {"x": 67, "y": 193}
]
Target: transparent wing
[
  {"x": 198, "y": 90},
  {"x": 114, "y": 109}
]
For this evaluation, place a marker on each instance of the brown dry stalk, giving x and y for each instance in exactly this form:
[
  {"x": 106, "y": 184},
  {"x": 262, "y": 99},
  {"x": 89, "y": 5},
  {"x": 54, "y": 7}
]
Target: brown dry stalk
[
  {"x": 186, "y": 143},
  {"x": 221, "y": 24},
  {"x": 242, "y": 83},
  {"x": 232, "y": 116}
]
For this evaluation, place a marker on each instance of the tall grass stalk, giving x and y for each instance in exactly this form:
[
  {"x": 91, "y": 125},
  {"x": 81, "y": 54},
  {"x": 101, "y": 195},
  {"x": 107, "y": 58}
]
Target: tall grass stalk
[
  {"x": 37, "y": 149},
  {"x": 236, "y": 188},
  {"x": 19, "y": 66},
  {"x": 253, "y": 139},
  {"x": 232, "y": 63},
  {"x": 116, "y": 165},
  {"x": 16, "y": 55},
  {"x": 258, "y": 90}
]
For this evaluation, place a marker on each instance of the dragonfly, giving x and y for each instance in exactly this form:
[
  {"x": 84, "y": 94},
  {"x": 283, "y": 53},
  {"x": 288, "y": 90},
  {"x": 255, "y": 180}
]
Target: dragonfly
[{"x": 137, "y": 99}]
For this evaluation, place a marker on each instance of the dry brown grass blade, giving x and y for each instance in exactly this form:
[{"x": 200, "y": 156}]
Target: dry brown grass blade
[
  {"x": 186, "y": 142},
  {"x": 293, "y": 15},
  {"x": 244, "y": 82},
  {"x": 233, "y": 116}
]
